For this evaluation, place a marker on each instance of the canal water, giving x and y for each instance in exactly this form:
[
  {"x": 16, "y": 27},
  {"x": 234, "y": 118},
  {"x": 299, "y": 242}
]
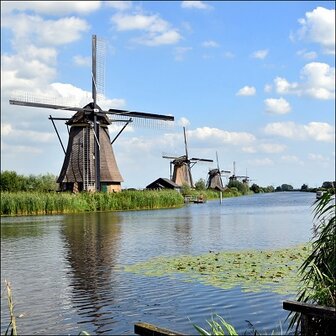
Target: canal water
[{"x": 66, "y": 271}]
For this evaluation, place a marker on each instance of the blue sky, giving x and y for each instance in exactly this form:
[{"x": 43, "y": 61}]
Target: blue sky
[{"x": 254, "y": 81}]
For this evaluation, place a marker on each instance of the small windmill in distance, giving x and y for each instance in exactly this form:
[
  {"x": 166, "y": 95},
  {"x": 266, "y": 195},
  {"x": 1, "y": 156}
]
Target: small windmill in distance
[
  {"x": 234, "y": 177},
  {"x": 182, "y": 166},
  {"x": 89, "y": 163},
  {"x": 215, "y": 177}
]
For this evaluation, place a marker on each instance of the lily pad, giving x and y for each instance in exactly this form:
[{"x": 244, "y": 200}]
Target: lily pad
[{"x": 271, "y": 270}]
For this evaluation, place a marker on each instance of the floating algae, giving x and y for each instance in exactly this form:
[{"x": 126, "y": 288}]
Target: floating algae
[{"x": 272, "y": 270}]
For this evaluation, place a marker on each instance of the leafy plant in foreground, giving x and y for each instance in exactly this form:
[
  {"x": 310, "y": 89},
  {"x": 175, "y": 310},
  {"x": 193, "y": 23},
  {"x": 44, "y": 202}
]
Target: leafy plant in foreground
[
  {"x": 217, "y": 328},
  {"x": 318, "y": 271}
]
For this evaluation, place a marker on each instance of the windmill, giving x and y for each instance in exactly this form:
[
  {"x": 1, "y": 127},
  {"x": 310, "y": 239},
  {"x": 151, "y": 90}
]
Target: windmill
[
  {"x": 182, "y": 166},
  {"x": 89, "y": 162},
  {"x": 215, "y": 177},
  {"x": 234, "y": 177}
]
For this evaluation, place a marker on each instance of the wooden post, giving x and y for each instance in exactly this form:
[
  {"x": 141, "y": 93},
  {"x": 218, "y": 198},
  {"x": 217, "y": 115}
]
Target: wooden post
[
  {"x": 315, "y": 319},
  {"x": 147, "y": 329}
]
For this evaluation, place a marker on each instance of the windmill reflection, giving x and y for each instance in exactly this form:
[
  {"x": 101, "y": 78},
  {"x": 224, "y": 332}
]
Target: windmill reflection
[{"x": 91, "y": 242}]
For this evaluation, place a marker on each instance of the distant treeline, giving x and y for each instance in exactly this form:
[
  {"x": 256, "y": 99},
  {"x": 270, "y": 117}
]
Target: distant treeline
[
  {"x": 13, "y": 182},
  {"x": 326, "y": 186}
]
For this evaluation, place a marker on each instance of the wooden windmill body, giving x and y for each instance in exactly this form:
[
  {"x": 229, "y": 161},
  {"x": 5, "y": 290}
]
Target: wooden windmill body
[
  {"x": 89, "y": 162},
  {"x": 78, "y": 170},
  {"x": 215, "y": 177},
  {"x": 182, "y": 166}
]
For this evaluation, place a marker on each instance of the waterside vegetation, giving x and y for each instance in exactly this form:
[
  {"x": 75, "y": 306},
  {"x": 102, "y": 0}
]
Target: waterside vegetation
[
  {"x": 318, "y": 271},
  {"x": 39, "y": 203}
]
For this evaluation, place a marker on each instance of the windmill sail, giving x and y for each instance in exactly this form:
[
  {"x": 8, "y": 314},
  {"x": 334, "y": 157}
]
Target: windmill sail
[{"x": 89, "y": 162}]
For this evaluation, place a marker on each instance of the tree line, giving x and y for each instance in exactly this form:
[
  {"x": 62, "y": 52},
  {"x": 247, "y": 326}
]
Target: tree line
[{"x": 13, "y": 182}]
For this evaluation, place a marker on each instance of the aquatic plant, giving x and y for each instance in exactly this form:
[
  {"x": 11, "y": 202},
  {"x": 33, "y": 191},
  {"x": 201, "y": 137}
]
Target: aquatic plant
[
  {"x": 318, "y": 271},
  {"x": 273, "y": 270},
  {"x": 217, "y": 328},
  {"x": 222, "y": 328}
]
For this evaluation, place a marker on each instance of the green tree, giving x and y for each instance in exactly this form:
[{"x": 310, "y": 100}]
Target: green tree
[
  {"x": 185, "y": 189},
  {"x": 241, "y": 187},
  {"x": 304, "y": 187},
  {"x": 255, "y": 188},
  {"x": 11, "y": 181},
  {"x": 286, "y": 187},
  {"x": 327, "y": 185},
  {"x": 200, "y": 184},
  {"x": 269, "y": 188}
]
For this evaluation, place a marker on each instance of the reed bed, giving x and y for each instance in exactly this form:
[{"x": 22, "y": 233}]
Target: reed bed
[{"x": 38, "y": 203}]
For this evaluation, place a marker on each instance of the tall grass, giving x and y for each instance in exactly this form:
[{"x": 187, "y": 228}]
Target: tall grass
[{"x": 35, "y": 203}]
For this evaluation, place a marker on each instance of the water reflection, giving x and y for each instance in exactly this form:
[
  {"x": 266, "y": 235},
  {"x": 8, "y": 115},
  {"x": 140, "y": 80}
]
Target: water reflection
[
  {"x": 182, "y": 231},
  {"x": 91, "y": 245},
  {"x": 17, "y": 232}
]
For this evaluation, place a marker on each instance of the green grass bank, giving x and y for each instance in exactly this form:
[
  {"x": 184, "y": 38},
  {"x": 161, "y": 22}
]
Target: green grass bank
[
  {"x": 24, "y": 203},
  {"x": 43, "y": 203}
]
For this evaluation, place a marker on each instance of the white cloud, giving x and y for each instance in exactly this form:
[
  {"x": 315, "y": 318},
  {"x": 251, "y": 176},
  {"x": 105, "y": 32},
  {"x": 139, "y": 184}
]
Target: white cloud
[
  {"x": 318, "y": 81},
  {"x": 228, "y": 54},
  {"x": 210, "y": 44},
  {"x": 277, "y": 106},
  {"x": 13, "y": 150},
  {"x": 260, "y": 54},
  {"x": 221, "y": 136},
  {"x": 152, "y": 40},
  {"x": 282, "y": 86},
  {"x": 269, "y": 148},
  {"x": 317, "y": 131},
  {"x": 318, "y": 26},
  {"x": 309, "y": 55},
  {"x": 24, "y": 73},
  {"x": 82, "y": 61},
  {"x": 317, "y": 157},
  {"x": 268, "y": 88},
  {"x": 119, "y": 5},
  {"x": 9, "y": 132},
  {"x": 6, "y": 129},
  {"x": 292, "y": 159},
  {"x": 272, "y": 148},
  {"x": 180, "y": 53},
  {"x": 246, "y": 91},
  {"x": 184, "y": 122},
  {"x": 80, "y": 97},
  {"x": 261, "y": 162},
  {"x": 195, "y": 4},
  {"x": 33, "y": 29},
  {"x": 158, "y": 31},
  {"x": 320, "y": 131},
  {"x": 51, "y": 7}
]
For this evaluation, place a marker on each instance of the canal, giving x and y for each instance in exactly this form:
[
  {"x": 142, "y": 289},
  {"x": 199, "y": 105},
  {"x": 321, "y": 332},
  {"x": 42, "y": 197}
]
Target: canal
[{"x": 67, "y": 271}]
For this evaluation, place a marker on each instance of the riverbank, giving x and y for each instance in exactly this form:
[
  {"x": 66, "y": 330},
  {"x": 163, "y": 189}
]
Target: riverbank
[
  {"x": 39, "y": 203},
  {"x": 46, "y": 203}
]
